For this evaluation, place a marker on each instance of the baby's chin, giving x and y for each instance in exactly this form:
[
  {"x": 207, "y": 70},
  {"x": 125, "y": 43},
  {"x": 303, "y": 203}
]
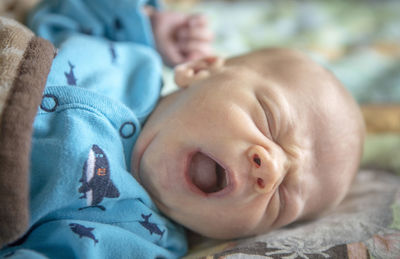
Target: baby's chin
[{"x": 240, "y": 230}]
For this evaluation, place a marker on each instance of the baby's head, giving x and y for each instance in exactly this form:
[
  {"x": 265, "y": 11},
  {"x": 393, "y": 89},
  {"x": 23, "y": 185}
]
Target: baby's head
[{"x": 251, "y": 145}]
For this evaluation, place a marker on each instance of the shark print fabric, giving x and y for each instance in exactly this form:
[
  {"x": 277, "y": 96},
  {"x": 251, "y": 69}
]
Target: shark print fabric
[
  {"x": 84, "y": 201},
  {"x": 96, "y": 182},
  {"x": 151, "y": 227},
  {"x": 70, "y": 76},
  {"x": 83, "y": 231}
]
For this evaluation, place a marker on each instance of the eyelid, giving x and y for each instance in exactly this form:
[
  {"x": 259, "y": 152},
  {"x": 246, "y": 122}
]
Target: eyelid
[{"x": 269, "y": 118}]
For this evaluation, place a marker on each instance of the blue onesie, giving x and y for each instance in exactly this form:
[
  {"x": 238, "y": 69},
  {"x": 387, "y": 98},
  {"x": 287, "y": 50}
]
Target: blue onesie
[{"x": 103, "y": 84}]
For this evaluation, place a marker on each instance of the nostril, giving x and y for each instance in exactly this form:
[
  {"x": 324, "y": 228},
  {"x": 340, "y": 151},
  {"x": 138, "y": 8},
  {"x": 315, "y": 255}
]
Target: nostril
[
  {"x": 257, "y": 160},
  {"x": 260, "y": 183}
]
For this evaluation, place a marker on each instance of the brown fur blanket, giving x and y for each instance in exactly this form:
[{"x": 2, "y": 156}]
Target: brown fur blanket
[{"x": 25, "y": 62}]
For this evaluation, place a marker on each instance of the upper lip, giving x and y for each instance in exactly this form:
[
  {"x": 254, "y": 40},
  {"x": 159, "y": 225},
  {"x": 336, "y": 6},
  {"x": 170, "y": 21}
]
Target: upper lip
[{"x": 228, "y": 174}]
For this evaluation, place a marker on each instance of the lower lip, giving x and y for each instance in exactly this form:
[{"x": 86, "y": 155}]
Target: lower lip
[{"x": 229, "y": 185}]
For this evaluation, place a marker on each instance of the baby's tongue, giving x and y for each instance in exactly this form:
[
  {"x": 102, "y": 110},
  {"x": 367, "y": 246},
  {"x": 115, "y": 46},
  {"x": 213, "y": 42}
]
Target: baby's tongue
[{"x": 202, "y": 172}]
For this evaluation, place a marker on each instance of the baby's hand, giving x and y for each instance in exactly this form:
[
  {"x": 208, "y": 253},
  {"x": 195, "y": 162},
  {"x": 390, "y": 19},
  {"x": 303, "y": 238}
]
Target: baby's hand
[{"x": 180, "y": 37}]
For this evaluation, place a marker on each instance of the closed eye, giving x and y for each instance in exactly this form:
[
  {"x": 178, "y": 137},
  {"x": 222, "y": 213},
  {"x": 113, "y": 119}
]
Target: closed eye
[{"x": 268, "y": 119}]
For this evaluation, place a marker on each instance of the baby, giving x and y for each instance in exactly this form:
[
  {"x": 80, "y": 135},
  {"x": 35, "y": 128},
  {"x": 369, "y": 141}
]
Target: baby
[
  {"x": 245, "y": 146},
  {"x": 264, "y": 140},
  {"x": 267, "y": 139}
]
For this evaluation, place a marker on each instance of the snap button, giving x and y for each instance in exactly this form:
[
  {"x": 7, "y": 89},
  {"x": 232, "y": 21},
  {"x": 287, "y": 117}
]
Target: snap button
[
  {"x": 127, "y": 129},
  {"x": 49, "y": 103}
]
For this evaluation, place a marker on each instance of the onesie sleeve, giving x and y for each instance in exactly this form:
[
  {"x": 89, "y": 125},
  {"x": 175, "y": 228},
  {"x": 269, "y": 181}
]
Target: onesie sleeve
[
  {"x": 64, "y": 239},
  {"x": 116, "y": 20},
  {"x": 83, "y": 200}
]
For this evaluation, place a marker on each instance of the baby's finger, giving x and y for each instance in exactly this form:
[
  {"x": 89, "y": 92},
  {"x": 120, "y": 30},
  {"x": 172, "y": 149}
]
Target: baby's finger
[
  {"x": 197, "y": 20},
  {"x": 172, "y": 55},
  {"x": 198, "y": 54},
  {"x": 195, "y": 33},
  {"x": 193, "y": 45}
]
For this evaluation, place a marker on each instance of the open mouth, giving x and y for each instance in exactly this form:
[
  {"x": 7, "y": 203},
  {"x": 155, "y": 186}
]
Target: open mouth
[{"x": 206, "y": 174}]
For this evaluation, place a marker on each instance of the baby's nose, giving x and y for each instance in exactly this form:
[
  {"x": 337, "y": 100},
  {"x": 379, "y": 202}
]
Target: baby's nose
[{"x": 268, "y": 167}]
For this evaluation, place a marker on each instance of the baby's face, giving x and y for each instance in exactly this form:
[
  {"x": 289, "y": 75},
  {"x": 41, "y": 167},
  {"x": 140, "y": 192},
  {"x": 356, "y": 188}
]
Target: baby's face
[{"x": 268, "y": 139}]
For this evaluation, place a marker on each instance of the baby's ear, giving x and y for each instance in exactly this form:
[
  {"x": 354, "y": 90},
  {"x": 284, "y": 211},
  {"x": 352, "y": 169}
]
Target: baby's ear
[{"x": 187, "y": 73}]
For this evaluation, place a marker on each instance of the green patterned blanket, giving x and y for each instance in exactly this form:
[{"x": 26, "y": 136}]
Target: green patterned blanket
[{"x": 358, "y": 40}]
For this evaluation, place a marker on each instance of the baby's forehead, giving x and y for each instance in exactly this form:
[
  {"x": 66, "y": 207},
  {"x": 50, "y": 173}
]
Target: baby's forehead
[
  {"x": 280, "y": 59},
  {"x": 291, "y": 69},
  {"x": 305, "y": 84}
]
